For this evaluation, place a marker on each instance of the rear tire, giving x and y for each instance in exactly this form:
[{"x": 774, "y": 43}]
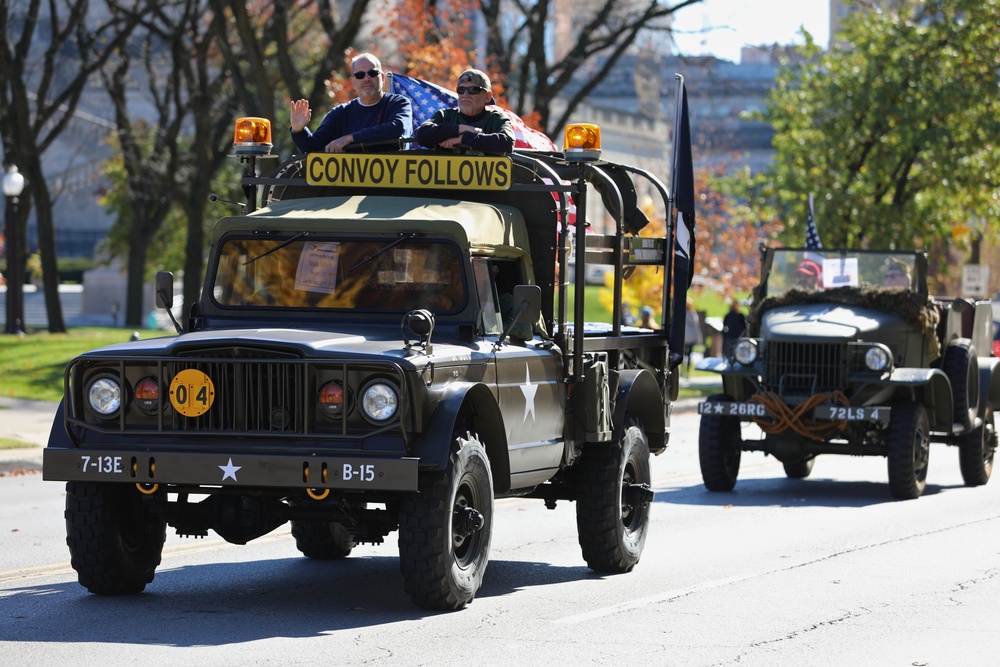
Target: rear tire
[
  {"x": 115, "y": 541},
  {"x": 976, "y": 451},
  {"x": 441, "y": 559},
  {"x": 909, "y": 449},
  {"x": 322, "y": 540},
  {"x": 612, "y": 514},
  {"x": 720, "y": 445}
]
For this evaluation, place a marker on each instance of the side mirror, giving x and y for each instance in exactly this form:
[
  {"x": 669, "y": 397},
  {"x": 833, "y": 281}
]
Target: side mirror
[
  {"x": 164, "y": 289},
  {"x": 527, "y": 303}
]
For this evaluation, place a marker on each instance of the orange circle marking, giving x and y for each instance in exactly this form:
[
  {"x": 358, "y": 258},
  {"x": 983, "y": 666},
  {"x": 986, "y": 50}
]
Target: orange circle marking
[{"x": 192, "y": 392}]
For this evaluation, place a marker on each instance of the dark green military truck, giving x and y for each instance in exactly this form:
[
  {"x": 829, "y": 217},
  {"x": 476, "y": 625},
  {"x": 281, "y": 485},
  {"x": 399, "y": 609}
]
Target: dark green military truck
[
  {"x": 846, "y": 353},
  {"x": 384, "y": 342}
]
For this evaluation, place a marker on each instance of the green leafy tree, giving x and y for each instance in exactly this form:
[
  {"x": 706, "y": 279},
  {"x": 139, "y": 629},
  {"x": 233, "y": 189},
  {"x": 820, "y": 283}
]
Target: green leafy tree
[{"x": 897, "y": 132}]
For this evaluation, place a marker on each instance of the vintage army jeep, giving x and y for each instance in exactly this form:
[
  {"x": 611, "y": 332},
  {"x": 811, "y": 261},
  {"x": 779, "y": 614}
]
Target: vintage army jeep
[
  {"x": 836, "y": 362},
  {"x": 384, "y": 342}
]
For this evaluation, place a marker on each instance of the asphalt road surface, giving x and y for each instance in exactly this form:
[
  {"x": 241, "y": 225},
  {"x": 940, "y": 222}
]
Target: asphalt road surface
[{"x": 824, "y": 571}]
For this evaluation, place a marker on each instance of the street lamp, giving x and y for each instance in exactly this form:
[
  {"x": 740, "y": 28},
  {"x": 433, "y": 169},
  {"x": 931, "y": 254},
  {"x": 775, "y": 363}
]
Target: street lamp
[{"x": 13, "y": 186}]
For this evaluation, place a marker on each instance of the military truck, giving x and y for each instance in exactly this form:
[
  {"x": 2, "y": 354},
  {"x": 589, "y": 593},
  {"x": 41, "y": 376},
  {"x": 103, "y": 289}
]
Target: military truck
[
  {"x": 846, "y": 353},
  {"x": 385, "y": 341}
]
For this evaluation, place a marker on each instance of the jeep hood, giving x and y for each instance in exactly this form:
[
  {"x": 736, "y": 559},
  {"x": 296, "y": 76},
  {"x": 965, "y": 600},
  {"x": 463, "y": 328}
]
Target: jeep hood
[{"x": 826, "y": 321}]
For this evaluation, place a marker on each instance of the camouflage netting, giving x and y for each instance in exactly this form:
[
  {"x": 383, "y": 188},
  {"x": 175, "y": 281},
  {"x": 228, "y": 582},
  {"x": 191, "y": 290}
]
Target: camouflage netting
[{"x": 918, "y": 313}]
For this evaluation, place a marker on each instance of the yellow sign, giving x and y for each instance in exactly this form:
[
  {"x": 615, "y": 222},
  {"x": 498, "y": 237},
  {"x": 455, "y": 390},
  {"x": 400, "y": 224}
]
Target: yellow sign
[
  {"x": 192, "y": 393},
  {"x": 409, "y": 171}
]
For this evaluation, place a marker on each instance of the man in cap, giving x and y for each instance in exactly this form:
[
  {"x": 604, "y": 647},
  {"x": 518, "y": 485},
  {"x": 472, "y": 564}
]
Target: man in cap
[
  {"x": 373, "y": 117},
  {"x": 807, "y": 275},
  {"x": 470, "y": 124},
  {"x": 897, "y": 274}
]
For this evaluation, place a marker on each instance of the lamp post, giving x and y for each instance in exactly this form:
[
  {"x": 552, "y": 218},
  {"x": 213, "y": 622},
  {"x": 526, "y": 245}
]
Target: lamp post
[{"x": 13, "y": 186}]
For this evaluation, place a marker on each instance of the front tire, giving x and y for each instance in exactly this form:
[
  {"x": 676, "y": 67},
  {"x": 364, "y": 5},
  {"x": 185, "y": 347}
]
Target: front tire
[
  {"x": 115, "y": 541},
  {"x": 720, "y": 447},
  {"x": 909, "y": 450},
  {"x": 976, "y": 450},
  {"x": 613, "y": 501},
  {"x": 446, "y": 528}
]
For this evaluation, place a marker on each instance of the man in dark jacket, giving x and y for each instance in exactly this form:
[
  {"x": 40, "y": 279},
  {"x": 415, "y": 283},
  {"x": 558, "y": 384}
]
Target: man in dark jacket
[
  {"x": 470, "y": 124},
  {"x": 733, "y": 326},
  {"x": 373, "y": 117}
]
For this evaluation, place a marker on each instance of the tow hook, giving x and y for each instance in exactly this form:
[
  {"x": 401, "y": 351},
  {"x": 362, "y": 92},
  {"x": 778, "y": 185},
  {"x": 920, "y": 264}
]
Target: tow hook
[
  {"x": 467, "y": 521},
  {"x": 638, "y": 494}
]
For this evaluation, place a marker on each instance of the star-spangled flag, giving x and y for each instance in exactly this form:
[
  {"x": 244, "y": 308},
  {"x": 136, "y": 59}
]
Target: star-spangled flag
[
  {"x": 812, "y": 234},
  {"x": 682, "y": 189},
  {"x": 426, "y": 98}
]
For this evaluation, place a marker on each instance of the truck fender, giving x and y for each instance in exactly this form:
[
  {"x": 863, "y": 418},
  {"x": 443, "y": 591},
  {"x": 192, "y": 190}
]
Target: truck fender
[
  {"x": 58, "y": 436},
  {"x": 639, "y": 396},
  {"x": 473, "y": 403},
  {"x": 989, "y": 383},
  {"x": 932, "y": 388}
]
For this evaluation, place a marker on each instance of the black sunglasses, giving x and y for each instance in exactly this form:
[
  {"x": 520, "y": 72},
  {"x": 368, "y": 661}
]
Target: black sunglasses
[
  {"x": 373, "y": 73},
  {"x": 471, "y": 90}
]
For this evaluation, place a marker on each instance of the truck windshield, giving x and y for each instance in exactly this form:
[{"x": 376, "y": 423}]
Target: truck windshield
[
  {"x": 339, "y": 274},
  {"x": 815, "y": 270}
]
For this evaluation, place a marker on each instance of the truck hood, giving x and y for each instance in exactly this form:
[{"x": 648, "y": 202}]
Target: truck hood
[
  {"x": 826, "y": 321},
  {"x": 370, "y": 343}
]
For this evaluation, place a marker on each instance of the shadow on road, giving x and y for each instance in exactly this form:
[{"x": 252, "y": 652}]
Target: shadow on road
[
  {"x": 233, "y": 603},
  {"x": 784, "y": 492}
]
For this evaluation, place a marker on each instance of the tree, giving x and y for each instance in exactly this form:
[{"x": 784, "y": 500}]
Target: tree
[
  {"x": 897, "y": 133},
  {"x": 48, "y": 54},
  {"x": 519, "y": 46}
]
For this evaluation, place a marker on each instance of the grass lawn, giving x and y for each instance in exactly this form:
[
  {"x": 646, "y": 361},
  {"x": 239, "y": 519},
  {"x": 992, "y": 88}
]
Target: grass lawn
[{"x": 31, "y": 367}]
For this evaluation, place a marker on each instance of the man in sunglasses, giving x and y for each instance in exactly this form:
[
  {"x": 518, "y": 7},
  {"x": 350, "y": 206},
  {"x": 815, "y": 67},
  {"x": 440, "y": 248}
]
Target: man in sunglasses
[
  {"x": 470, "y": 124},
  {"x": 373, "y": 117}
]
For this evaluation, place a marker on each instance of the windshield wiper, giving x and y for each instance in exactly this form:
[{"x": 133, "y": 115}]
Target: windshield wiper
[
  {"x": 405, "y": 237},
  {"x": 277, "y": 247}
]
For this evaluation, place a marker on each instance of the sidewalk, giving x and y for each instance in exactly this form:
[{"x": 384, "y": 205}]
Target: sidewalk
[{"x": 29, "y": 421}]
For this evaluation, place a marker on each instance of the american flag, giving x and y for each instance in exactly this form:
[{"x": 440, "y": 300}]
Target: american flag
[
  {"x": 426, "y": 98},
  {"x": 812, "y": 234}
]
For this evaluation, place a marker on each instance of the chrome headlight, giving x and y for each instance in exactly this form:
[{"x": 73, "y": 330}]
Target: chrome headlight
[
  {"x": 746, "y": 351},
  {"x": 878, "y": 358},
  {"x": 379, "y": 401},
  {"x": 105, "y": 396}
]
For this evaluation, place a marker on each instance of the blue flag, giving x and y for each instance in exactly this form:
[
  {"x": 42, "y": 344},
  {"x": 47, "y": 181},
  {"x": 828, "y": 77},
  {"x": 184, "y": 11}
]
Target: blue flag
[
  {"x": 425, "y": 97},
  {"x": 812, "y": 234}
]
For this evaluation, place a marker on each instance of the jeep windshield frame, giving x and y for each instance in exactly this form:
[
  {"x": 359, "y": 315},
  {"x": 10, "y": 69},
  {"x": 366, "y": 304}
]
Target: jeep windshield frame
[{"x": 811, "y": 270}]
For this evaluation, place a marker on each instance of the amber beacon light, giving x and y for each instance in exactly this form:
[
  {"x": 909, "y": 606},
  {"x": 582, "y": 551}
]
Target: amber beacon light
[
  {"x": 252, "y": 136},
  {"x": 582, "y": 141}
]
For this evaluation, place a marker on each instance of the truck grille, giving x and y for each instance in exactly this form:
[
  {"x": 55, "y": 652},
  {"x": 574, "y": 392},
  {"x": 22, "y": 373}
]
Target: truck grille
[
  {"x": 796, "y": 371},
  {"x": 275, "y": 397}
]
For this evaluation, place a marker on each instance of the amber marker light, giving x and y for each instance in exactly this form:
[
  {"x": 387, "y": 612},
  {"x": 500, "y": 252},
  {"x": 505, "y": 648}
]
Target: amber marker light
[
  {"x": 331, "y": 400},
  {"x": 147, "y": 395},
  {"x": 582, "y": 141},
  {"x": 252, "y": 136}
]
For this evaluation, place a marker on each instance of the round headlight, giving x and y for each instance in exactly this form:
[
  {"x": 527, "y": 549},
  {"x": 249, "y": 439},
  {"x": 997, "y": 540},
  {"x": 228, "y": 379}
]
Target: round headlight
[
  {"x": 105, "y": 396},
  {"x": 877, "y": 358},
  {"x": 745, "y": 351},
  {"x": 379, "y": 401}
]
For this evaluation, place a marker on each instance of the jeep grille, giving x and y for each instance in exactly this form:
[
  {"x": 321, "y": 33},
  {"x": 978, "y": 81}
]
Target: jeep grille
[{"x": 796, "y": 371}]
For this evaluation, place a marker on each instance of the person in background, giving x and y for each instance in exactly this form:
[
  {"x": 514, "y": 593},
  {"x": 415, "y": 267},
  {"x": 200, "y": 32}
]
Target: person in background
[
  {"x": 897, "y": 274},
  {"x": 733, "y": 326},
  {"x": 646, "y": 318},
  {"x": 625, "y": 317},
  {"x": 692, "y": 333},
  {"x": 470, "y": 124},
  {"x": 808, "y": 275},
  {"x": 373, "y": 117}
]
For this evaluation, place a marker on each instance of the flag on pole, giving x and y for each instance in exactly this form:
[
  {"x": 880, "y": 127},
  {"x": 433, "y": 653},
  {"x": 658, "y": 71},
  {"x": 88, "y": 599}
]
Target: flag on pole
[
  {"x": 426, "y": 98},
  {"x": 812, "y": 234},
  {"x": 682, "y": 190}
]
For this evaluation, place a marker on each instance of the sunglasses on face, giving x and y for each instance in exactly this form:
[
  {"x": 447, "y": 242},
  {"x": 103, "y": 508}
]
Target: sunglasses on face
[
  {"x": 373, "y": 73},
  {"x": 470, "y": 90}
]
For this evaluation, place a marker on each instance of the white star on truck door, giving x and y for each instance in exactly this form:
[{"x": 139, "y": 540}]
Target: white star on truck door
[
  {"x": 229, "y": 470},
  {"x": 528, "y": 390}
]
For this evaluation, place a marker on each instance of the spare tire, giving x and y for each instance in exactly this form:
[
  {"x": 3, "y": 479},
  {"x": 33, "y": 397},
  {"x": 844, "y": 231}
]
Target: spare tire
[{"x": 962, "y": 369}]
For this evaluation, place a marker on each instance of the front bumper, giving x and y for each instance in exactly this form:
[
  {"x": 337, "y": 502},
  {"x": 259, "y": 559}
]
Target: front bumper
[{"x": 231, "y": 469}]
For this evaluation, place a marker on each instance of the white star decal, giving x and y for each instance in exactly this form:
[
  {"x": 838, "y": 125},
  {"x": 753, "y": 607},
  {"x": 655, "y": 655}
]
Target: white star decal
[
  {"x": 528, "y": 390},
  {"x": 229, "y": 470}
]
